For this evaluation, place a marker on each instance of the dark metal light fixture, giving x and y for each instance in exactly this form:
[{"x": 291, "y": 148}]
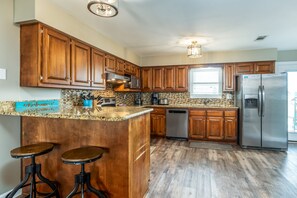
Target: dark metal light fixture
[
  {"x": 104, "y": 8},
  {"x": 194, "y": 50}
]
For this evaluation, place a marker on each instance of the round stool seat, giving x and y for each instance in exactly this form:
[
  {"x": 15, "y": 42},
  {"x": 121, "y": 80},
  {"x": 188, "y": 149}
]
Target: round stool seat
[
  {"x": 82, "y": 155},
  {"x": 32, "y": 150}
]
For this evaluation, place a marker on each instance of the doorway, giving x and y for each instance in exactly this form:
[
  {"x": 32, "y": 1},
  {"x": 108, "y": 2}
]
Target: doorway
[{"x": 292, "y": 106}]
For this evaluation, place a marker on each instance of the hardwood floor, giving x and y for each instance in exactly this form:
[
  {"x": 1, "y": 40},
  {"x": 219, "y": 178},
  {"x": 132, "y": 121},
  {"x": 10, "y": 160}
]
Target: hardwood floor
[{"x": 178, "y": 171}]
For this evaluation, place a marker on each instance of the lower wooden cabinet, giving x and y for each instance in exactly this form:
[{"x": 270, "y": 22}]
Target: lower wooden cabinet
[
  {"x": 197, "y": 127},
  {"x": 158, "y": 122},
  {"x": 213, "y": 125},
  {"x": 215, "y": 128}
]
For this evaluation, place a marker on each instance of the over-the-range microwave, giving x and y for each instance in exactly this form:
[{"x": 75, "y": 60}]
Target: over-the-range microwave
[{"x": 134, "y": 83}]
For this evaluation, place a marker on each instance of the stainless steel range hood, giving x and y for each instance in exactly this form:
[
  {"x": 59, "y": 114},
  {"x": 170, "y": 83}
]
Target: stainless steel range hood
[{"x": 116, "y": 79}]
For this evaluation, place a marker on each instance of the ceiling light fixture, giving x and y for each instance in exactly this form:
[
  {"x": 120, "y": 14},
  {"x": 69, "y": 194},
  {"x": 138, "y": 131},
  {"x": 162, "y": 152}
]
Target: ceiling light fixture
[
  {"x": 194, "y": 50},
  {"x": 104, "y": 8}
]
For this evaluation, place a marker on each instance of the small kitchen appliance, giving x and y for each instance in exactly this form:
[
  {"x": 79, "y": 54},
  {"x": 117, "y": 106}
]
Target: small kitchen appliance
[
  {"x": 155, "y": 98},
  {"x": 163, "y": 101},
  {"x": 138, "y": 100}
]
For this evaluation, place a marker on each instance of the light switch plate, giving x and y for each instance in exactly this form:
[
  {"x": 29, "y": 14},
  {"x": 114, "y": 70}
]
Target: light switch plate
[{"x": 2, "y": 74}]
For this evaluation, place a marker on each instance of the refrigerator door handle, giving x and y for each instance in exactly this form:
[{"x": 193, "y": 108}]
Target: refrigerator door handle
[
  {"x": 259, "y": 101},
  {"x": 263, "y": 101}
]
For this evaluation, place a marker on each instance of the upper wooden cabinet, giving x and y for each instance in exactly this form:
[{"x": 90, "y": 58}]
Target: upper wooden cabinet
[
  {"x": 181, "y": 78},
  {"x": 98, "y": 62},
  {"x": 110, "y": 63},
  {"x": 146, "y": 79},
  {"x": 244, "y": 68},
  {"x": 50, "y": 58},
  {"x": 169, "y": 79},
  {"x": 120, "y": 67},
  {"x": 55, "y": 65},
  {"x": 266, "y": 67},
  {"x": 228, "y": 82},
  {"x": 173, "y": 78},
  {"x": 80, "y": 64},
  {"x": 158, "y": 79}
]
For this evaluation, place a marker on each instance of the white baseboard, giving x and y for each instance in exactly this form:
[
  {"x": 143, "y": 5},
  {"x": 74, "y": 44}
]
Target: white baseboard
[{"x": 4, "y": 194}]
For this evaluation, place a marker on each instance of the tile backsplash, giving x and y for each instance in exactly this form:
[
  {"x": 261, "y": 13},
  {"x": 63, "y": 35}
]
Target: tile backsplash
[{"x": 71, "y": 97}]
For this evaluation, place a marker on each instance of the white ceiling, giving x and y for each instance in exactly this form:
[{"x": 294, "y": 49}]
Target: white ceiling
[{"x": 155, "y": 27}]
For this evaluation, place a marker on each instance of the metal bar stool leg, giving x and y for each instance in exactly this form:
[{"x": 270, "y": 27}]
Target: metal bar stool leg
[
  {"x": 99, "y": 193},
  {"x": 18, "y": 187}
]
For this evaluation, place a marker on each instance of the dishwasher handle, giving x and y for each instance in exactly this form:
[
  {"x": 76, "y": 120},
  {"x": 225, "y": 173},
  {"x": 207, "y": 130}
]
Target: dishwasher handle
[{"x": 177, "y": 111}]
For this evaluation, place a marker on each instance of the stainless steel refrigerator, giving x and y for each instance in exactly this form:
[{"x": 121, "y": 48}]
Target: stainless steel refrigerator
[{"x": 262, "y": 102}]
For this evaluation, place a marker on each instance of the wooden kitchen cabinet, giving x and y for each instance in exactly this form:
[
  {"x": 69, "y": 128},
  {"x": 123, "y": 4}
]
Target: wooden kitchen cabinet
[
  {"x": 213, "y": 125},
  {"x": 120, "y": 67},
  {"x": 55, "y": 66},
  {"x": 230, "y": 125},
  {"x": 229, "y": 77},
  {"x": 80, "y": 64},
  {"x": 110, "y": 63},
  {"x": 158, "y": 79},
  {"x": 146, "y": 79},
  {"x": 98, "y": 62},
  {"x": 215, "y": 128},
  {"x": 50, "y": 58},
  {"x": 181, "y": 78},
  {"x": 244, "y": 68},
  {"x": 169, "y": 79},
  {"x": 158, "y": 122},
  {"x": 264, "y": 67}
]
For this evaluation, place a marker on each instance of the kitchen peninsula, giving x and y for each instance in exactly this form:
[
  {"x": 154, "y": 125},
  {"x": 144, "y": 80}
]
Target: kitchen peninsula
[{"x": 125, "y": 131}]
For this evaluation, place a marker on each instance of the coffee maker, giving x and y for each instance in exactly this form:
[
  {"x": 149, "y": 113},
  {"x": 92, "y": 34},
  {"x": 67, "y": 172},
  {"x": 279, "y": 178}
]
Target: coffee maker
[{"x": 155, "y": 98}]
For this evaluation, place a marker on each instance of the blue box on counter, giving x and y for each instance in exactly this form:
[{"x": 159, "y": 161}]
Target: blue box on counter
[{"x": 46, "y": 105}]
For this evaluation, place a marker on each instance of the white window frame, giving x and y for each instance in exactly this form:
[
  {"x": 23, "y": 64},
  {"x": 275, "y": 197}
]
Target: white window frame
[{"x": 220, "y": 83}]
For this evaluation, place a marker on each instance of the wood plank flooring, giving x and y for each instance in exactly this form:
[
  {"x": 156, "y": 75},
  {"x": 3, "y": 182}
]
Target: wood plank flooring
[{"x": 178, "y": 171}]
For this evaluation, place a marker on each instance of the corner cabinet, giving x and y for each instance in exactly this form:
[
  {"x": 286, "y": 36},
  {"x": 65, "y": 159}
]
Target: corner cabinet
[
  {"x": 50, "y": 58},
  {"x": 213, "y": 125}
]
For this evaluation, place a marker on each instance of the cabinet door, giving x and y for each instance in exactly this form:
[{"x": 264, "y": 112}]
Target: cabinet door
[
  {"x": 215, "y": 128},
  {"x": 80, "y": 64},
  {"x": 98, "y": 62},
  {"x": 146, "y": 79},
  {"x": 228, "y": 77},
  {"x": 133, "y": 70},
  {"x": 181, "y": 78},
  {"x": 197, "y": 127},
  {"x": 137, "y": 72},
  {"x": 110, "y": 63},
  {"x": 230, "y": 128},
  {"x": 158, "y": 124},
  {"x": 120, "y": 68},
  {"x": 169, "y": 78},
  {"x": 158, "y": 78},
  {"x": 128, "y": 68},
  {"x": 244, "y": 68},
  {"x": 56, "y": 58},
  {"x": 264, "y": 67}
]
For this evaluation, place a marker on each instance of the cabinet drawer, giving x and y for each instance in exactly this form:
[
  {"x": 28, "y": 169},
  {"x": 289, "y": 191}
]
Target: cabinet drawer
[
  {"x": 197, "y": 113},
  {"x": 159, "y": 111},
  {"x": 230, "y": 114},
  {"x": 215, "y": 113}
]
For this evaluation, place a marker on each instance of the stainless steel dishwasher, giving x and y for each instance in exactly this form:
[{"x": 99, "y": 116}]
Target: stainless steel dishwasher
[{"x": 177, "y": 123}]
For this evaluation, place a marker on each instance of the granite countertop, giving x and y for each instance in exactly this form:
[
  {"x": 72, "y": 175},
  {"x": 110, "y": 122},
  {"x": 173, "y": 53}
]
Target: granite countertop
[
  {"x": 198, "y": 106},
  {"x": 79, "y": 112}
]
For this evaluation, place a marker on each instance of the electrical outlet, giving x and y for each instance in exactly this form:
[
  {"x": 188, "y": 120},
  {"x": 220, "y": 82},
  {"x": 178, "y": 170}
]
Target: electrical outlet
[
  {"x": 229, "y": 96},
  {"x": 2, "y": 74}
]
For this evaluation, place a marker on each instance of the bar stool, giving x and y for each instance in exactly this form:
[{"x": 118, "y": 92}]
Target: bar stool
[
  {"x": 33, "y": 170},
  {"x": 82, "y": 156}
]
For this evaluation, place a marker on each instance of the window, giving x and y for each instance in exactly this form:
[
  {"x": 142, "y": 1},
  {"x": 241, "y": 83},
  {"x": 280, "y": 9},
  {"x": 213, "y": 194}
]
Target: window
[{"x": 206, "y": 82}]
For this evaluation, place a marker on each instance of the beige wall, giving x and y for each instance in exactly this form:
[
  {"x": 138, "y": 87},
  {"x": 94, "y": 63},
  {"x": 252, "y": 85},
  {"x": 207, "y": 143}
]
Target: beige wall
[
  {"x": 212, "y": 57},
  {"x": 10, "y": 90},
  {"x": 54, "y": 16},
  {"x": 287, "y": 55}
]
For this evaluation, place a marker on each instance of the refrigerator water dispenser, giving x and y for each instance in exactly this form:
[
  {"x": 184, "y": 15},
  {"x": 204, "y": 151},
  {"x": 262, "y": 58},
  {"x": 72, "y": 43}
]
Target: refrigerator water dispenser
[{"x": 251, "y": 101}]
